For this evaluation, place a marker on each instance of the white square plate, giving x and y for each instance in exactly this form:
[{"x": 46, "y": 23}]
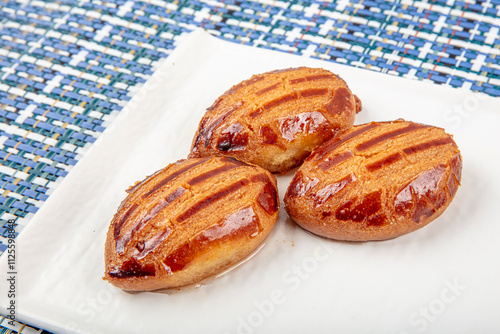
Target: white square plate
[{"x": 443, "y": 278}]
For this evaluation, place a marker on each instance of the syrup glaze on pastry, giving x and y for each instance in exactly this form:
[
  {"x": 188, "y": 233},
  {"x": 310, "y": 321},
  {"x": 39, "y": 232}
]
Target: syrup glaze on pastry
[
  {"x": 275, "y": 119},
  {"x": 376, "y": 181},
  {"x": 188, "y": 221}
]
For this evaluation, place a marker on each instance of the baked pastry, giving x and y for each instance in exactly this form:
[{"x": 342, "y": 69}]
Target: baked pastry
[
  {"x": 376, "y": 181},
  {"x": 188, "y": 221},
  {"x": 275, "y": 119}
]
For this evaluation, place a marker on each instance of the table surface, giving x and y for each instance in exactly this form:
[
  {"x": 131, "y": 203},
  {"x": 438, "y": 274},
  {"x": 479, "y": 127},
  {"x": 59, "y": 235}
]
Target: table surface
[{"x": 67, "y": 68}]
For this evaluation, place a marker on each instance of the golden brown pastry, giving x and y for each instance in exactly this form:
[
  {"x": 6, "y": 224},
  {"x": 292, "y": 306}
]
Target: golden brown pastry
[
  {"x": 376, "y": 181},
  {"x": 189, "y": 221},
  {"x": 275, "y": 119}
]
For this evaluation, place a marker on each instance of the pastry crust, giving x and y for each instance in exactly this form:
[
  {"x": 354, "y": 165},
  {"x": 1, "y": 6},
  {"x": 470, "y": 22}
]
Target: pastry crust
[
  {"x": 188, "y": 221},
  {"x": 376, "y": 181},
  {"x": 275, "y": 119}
]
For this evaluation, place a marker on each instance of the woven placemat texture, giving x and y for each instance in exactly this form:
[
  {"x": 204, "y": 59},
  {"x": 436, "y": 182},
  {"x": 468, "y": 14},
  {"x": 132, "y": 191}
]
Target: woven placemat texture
[
  {"x": 68, "y": 67},
  {"x": 7, "y": 327}
]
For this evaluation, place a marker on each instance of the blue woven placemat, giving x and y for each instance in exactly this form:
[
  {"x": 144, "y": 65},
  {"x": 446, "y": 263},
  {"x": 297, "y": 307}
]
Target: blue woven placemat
[{"x": 67, "y": 67}]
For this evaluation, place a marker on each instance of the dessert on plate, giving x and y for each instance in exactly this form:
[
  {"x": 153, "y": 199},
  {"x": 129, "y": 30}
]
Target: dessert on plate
[{"x": 188, "y": 221}]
